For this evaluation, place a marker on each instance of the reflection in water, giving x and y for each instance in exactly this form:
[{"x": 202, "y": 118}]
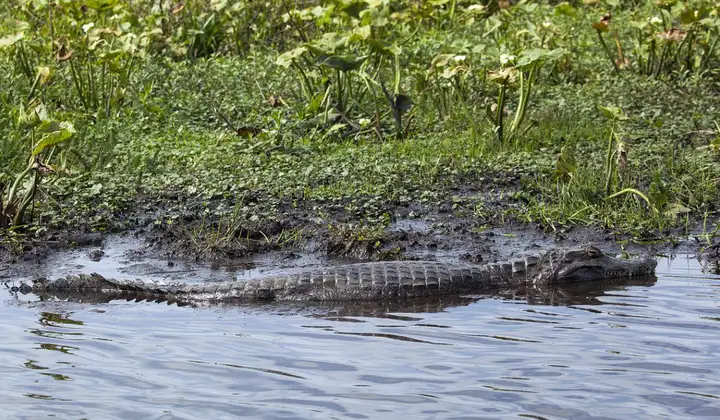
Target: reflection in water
[
  {"x": 393, "y": 337},
  {"x": 55, "y": 347},
  {"x": 57, "y": 325},
  {"x": 56, "y": 376},
  {"x": 30, "y": 364},
  {"x": 273, "y": 371},
  {"x": 645, "y": 348},
  {"x": 587, "y": 293},
  {"x": 52, "y": 319}
]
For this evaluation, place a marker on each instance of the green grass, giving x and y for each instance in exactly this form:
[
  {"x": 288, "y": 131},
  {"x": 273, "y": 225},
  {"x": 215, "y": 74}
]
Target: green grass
[{"x": 167, "y": 141}]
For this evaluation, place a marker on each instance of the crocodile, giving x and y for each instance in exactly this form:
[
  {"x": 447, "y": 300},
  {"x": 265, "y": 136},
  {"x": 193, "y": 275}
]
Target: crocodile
[{"x": 361, "y": 281}]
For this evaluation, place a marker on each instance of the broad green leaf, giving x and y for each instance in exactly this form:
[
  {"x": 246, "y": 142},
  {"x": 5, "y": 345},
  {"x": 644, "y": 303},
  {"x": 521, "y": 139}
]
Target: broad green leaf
[
  {"x": 639, "y": 24},
  {"x": 100, "y": 4},
  {"x": 710, "y": 22},
  {"x": 384, "y": 47},
  {"x": 565, "y": 9},
  {"x": 451, "y": 72},
  {"x": 376, "y": 19},
  {"x": 286, "y": 59},
  {"x": 15, "y": 25},
  {"x": 47, "y": 127},
  {"x": 216, "y": 5},
  {"x": 64, "y": 131},
  {"x": 33, "y": 115},
  {"x": 96, "y": 189},
  {"x": 529, "y": 57},
  {"x": 565, "y": 165},
  {"x": 353, "y": 9},
  {"x": 363, "y": 32},
  {"x": 442, "y": 60},
  {"x": 342, "y": 62},
  {"x": 675, "y": 209},
  {"x": 492, "y": 24},
  {"x": 109, "y": 56},
  {"x": 613, "y": 113},
  {"x": 504, "y": 76},
  {"x": 692, "y": 15},
  {"x": 11, "y": 39},
  {"x": 335, "y": 128},
  {"x": 331, "y": 41},
  {"x": 45, "y": 74}
]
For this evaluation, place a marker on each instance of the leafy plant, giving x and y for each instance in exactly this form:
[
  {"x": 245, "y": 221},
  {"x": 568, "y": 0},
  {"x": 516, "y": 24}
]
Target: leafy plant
[
  {"x": 45, "y": 135},
  {"x": 525, "y": 69},
  {"x": 615, "y": 115}
]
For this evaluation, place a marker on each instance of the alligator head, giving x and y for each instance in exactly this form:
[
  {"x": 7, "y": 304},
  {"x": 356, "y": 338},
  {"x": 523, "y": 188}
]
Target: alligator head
[{"x": 588, "y": 264}]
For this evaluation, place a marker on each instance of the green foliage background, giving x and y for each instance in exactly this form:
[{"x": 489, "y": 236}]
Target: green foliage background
[{"x": 177, "y": 108}]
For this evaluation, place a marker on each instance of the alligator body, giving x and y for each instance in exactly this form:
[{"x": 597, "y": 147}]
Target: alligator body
[{"x": 363, "y": 281}]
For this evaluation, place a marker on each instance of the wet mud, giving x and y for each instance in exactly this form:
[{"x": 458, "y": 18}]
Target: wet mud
[{"x": 289, "y": 235}]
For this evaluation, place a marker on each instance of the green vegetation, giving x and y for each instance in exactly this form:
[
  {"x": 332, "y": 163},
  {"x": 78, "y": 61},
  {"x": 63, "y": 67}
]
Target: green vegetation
[{"x": 232, "y": 125}]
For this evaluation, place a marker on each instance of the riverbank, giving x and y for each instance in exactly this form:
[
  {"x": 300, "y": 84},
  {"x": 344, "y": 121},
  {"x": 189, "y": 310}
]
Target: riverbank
[{"x": 227, "y": 155}]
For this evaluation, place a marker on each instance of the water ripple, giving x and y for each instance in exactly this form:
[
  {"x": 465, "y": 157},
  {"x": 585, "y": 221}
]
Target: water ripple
[{"x": 643, "y": 351}]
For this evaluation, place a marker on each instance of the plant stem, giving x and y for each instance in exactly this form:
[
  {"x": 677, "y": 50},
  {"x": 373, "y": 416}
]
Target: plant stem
[
  {"x": 525, "y": 89},
  {"x": 499, "y": 115},
  {"x": 637, "y": 193},
  {"x": 339, "y": 91},
  {"x": 29, "y": 196},
  {"x": 607, "y": 51},
  {"x": 466, "y": 110},
  {"x": 18, "y": 180},
  {"x": 609, "y": 167}
]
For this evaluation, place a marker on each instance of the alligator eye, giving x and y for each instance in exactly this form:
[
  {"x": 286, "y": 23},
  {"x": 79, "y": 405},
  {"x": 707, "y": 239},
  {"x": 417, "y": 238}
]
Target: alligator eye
[{"x": 593, "y": 252}]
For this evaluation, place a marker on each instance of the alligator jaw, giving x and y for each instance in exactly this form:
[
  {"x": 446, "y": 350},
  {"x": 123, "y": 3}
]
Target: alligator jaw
[{"x": 589, "y": 264}]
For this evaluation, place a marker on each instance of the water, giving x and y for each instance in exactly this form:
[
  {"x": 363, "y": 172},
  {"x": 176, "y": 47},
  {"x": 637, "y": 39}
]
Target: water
[{"x": 650, "y": 350}]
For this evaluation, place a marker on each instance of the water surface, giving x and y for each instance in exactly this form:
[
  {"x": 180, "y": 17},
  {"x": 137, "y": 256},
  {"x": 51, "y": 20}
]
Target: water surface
[{"x": 649, "y": 350}]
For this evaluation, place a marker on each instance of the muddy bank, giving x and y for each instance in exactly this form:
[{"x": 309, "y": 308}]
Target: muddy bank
[
  {"x": 146, "y": 254},
  {"x": 184, "y": 238}
]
